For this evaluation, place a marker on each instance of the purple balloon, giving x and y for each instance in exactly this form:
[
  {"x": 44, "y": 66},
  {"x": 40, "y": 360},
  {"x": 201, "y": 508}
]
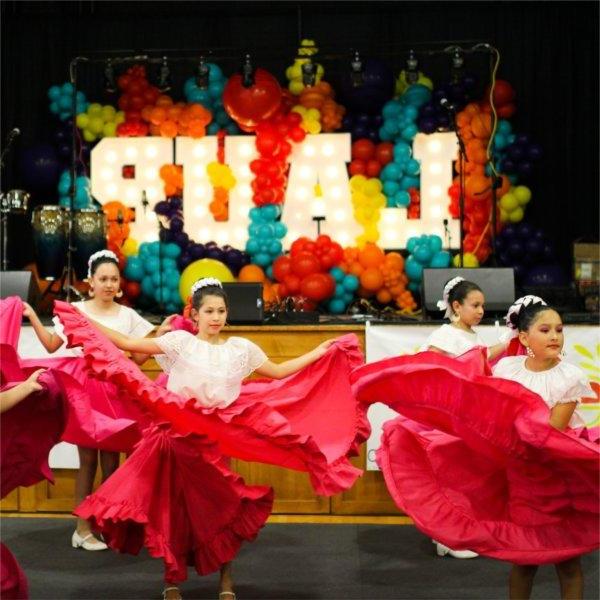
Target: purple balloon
[
  {"x": 552, "y": 275},
  {"x": 197, "y": 251},
  {"x": 509, "y": 232},
  {"x": 427, "y": 125},
  {"x": 347, "y": 122},
  {"x": 181, "y": 238},
  {"x": 519, "y": 270},
  {"x": 359, "y": 131},
  {"x": 40, "y": 167},
  {"x": 377, "y": 120},
  {"x": 522, "y": 139},
  {"x": 533, "y": 247},
  {"x": 515, "y": 247},
  {"x": 443, "y": 120},
  {"x": 245, "y": 259},
  {"x": 427, "y": 110},
  {"x": 176, "y": 202},
  {"x": 525, "y": 168},
  {"x": 525, "y": 230},
  {"x": 372, "y": 90},
  {"x": 534, "y": 152},
  {"x": 373, "y": 135},
  {"x": 509, "y": 165},
  {"x": 469, "y": 81},
  {"x": 165, "y": 235},
  {"x": 183, "y": 260},
  {"x": 161, "y": 208},
  {"x": 362, "y": 119},
  {"x": 176, "y": 225},
  {"x": 515, "y": 152},
  {"x": 548, "y": 251},
  {"x": 215, "y": 253},
  {"x": 504, "y": 258}
]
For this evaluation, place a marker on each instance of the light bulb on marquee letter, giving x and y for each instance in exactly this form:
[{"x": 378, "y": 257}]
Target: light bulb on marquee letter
[
  {"x": 320, "y": 159},
  {"x": 147, "y": 155}
]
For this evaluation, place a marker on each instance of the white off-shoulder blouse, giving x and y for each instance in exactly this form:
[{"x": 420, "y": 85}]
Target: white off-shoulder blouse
[
  {"x": 560, "y": 384},
  {"x": 210, "y": 373},
  {"x": 453, "y": 340}
]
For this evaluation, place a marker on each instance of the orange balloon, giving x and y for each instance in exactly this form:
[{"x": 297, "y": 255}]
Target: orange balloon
[
  {"x": 477, "y": 185},
  {"x": 371, "y": 279},
  {"x": 252, "y": 273},
  {"x": 371, "y": 256},
  {"x": 196, "y": 128},
  {"x": 164, "y": 100},
  {"x": 158, "y": 115},
  {"x": 394, "y": 260},
  {"x": 504, "y": 188},
  {"x": 356, "y": 269},
  {"x": 384, "y": 296},
  {"x": 168, "y": 129},
  {"x": 481, "y": 125}
]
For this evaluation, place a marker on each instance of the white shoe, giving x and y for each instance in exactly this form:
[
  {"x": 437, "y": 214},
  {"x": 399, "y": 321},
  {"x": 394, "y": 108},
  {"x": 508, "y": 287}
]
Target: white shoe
[
  {"x": 444, "y": 550},
  {"x": 82, "y": 542}
]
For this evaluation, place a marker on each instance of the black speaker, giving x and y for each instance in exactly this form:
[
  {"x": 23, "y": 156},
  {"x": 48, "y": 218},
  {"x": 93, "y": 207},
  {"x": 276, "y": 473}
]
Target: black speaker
[
  {"x": 245, "y": 303},
  {"x": 498, "y": 286},
  {"x": 18, "y": 283}
]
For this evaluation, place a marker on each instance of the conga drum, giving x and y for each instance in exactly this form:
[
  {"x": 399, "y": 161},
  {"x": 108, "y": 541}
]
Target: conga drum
[
  {"x": 89, "y": 236},
  {"x": 14, "y": 202},
  {"x": 49, "y": 240}
]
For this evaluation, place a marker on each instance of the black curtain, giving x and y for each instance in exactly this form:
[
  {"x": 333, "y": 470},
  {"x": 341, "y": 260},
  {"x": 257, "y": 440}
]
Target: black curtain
[{"x": 549, "y": 52}]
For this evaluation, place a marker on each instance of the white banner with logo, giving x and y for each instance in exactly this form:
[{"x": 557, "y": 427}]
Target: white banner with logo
[{"x": 582, "y": 347}]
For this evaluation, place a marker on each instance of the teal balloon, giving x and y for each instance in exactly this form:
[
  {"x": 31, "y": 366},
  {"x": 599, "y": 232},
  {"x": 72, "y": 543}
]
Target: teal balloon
[
  {"x": 412, "y": 167},
  {"x": 337, "y": 274},
  {"x": 265, "y": 232},
  {"x": 413, "y": 269},
  {"x": 157, "y": 278},
  {"x": 262, "y": 259},
  {"x": 172, "y": 250},
  {"x": 411, "y": 244},
  {"x": 435, "y": 243},
  {"x": 402, "y": 151},
  {"x": 414, "y": 286},
  {"x": 408, "y": 182},
  {"x": 390, "y": 188},
  {"x": 340, "y": 290},
  {"x": 169, "y": 263},
  {"x": 440, "y": 260},
  {"x": 391, "y": 171},
  {"x": 336, "y": 306},
  {"x": 147, "y": 286},
  {"x": 54, "y": 93},
  {"x": 423, "y": 254},
  {"x": 275, "y": 247},
  {"x": 252, "y": 246},
  {"x": 254, "y": 229},
  {"x": 162, "y": 294},
  {"x": 391, "y": 109},
  {"x": 504, "y": 127},
  {"x": 402, "y": 198},
  {"x": 134, "y": 269},
  {"x": 213, "y": 128},
  {"x": 144, "y": 249},
  {"x": 152, "y": 264},
  {"x": 279, "y": 229},
  {"x": 154, "y": 248},
  {"x": 171, "y": 279},
  {"x": 270, "y": 212},
  {"x": 348, "y": 297},
  {"x": 417, "y": 95},
  {"x": 409, "y": 132},
  {"x": 351, "y": 283}
]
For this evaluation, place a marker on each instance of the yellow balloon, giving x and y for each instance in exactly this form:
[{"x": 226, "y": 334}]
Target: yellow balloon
[
  {"x": 130, "y": 247},
  {"x": 516, "y": 215},
  {"x": 469, "y": 261},
  {"x": 205, "y": 267}
]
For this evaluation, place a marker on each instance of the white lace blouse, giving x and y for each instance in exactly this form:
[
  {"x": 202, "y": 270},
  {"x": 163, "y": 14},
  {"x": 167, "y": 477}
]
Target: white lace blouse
[
  {"x": 559, "y": 385},
  {"x": 210, "y": 373},
  {"x": 453, "y": 340},
  {"x": 126, "y": 321}
]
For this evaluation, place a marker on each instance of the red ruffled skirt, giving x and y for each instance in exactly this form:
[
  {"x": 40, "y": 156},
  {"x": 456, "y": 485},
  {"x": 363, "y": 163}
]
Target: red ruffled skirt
[
  {"x": 176, "y": 496},
  {"x": 97, "y": 414},
  {"x": 474, "y": 461},
  {"x": 309, "y": 421},
  {"x": 13, "y": 583}
]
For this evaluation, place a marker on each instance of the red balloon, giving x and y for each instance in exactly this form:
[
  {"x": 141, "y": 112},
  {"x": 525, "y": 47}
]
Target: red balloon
[
  {"x": 317, "y": 286},
  {"x": 373, "y": 168},
  {"x": 357, "y": 167},
  {"x": 247, "y": 106},
  {"x": 504, "y": 92},
  {"x": 305, "y": 263},
  {"x": 292, "y": 283},
  {"x": 363, "y": 149},
  {"x": 384, "y": 153},
  {"x": 282, "y": 267},
  {"x": 297, "y": 134},
  {"x": 267, "y": 144},
  {"x": 132, "y": 289},
  {"x": 506, "y": 111}
]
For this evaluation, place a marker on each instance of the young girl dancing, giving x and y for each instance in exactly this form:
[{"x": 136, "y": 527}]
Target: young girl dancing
[
  {"x": 500, "y": 475},
  {"x": 205, "y": 401},
  {"x": 464, "y": 304},
  {"x": 561, "y": 386},
  {"x": 99, "y": 423}
]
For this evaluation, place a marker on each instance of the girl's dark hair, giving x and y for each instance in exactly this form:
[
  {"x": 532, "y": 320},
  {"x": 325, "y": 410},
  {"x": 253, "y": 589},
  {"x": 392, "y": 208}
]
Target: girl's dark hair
[
  {"x": 528, "y": 315},
  {"x": 461, "y": 290},
  {"x": 209, "y": 290},
  {"x": 100, "y": 261}
]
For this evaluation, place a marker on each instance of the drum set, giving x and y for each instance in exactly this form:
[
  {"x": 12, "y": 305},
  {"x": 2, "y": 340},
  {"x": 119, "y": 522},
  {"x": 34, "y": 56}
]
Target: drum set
[{"x": 51, "y": 237}]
